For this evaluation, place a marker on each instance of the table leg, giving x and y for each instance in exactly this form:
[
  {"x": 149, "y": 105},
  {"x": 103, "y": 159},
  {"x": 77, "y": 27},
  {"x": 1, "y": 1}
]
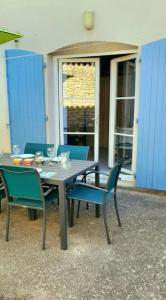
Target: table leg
[
  {"x": 97, "y": 183},
  {"x": 63, "y": 216}
]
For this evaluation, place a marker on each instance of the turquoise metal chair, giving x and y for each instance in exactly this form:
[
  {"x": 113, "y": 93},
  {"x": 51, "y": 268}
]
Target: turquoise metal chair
[
  {"x": 2, "y": 193},
  {"x": 76, "y": 152},
  {"x": 23, "y": 188},
  {"x": 97, "y": 195},
  {"x": 32, "y": 148}
]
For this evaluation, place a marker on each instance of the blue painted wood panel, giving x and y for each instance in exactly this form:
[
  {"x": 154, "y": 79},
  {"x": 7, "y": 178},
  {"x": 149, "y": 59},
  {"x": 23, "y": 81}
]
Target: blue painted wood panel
[
  {"x": 25, "y": 83},
  {"x": 151, "y": 160}
]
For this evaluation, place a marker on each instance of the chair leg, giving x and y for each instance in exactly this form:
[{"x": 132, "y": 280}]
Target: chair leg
[
  {"x": 32, "y": 214},
  {"x": 44, "y": 230},
  {"x": 78, "y": 209},
  {"x": 72, "y": 213},
  {"x": 0, "y": 206},
  {"x": 117, "y": 212},
  {"x": 87, "y": 205},
  {"x": 105, "y": 224},
  {"x": 7, "y": 222}
]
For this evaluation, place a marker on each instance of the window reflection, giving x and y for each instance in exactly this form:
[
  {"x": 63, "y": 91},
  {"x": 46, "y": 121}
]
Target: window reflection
[
  {"x": 124, "y": 116},
  {"x": 126, "y": 79}
]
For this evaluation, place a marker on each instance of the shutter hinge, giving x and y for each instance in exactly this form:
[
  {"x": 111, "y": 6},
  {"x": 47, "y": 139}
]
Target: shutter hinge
[
  {"x": 44, "y": 65},
  {"x": 137, "y": 120},
  {"x": 46, "y": 118},
  {"x": 139, "y": 60}
]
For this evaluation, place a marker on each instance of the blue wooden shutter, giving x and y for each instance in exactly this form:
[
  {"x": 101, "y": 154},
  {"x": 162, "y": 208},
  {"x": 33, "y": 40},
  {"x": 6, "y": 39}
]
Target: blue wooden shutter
[
  {"x": 151, "y": 163},
  {"x": 26, "y": 97}
]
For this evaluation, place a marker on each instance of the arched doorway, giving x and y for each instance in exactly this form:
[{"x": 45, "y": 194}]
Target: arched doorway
[{"x": 105, "y": 146}]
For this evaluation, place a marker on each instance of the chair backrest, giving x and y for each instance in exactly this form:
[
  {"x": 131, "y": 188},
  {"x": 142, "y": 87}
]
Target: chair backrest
[
  {"x": 32, "y": 148},
  {"x": 114, "y": 174},
  {"x": 22, "y": 182},
  {"x": 76, "y": 152}
]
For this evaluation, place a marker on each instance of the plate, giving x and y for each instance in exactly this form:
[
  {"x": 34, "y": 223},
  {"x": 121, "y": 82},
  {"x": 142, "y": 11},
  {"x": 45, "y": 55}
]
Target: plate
[{"x": 25, "y": 155}]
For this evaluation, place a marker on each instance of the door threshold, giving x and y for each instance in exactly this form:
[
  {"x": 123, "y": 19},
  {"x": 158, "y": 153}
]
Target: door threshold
[{"x": 128, "y": 182}]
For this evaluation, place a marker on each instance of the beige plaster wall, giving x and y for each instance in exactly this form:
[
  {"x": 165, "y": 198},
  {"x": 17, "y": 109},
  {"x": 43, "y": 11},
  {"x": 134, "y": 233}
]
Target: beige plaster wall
[{"x": 48, "y": 25}]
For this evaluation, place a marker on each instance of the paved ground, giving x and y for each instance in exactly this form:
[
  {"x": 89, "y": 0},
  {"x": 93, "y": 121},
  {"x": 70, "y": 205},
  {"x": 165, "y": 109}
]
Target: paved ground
[{"x": 133, "y": 267}]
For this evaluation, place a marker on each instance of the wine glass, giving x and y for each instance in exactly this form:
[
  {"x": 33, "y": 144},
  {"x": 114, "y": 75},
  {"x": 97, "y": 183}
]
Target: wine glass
[
  {"x": 39, "y": 158},
  {"x": 50, "y": 152},
  {"x": 16, "y": 149},
  {"x": 39, "y": 154}
]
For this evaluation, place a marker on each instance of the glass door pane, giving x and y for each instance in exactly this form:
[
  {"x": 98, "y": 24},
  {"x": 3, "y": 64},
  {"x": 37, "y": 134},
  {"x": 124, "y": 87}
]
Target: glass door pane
[
  {"x": 79, "y": 103},
  {"x": 124, "y": 116},
  {"x": 126, "y": 78},
  {"x": 125, "y": 99},
  {"x": 122, "y": 111}
]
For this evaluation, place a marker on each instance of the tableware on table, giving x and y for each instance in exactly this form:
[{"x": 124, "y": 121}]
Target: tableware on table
[
  {"x": 65, "y": 156},
  {"x": 47, "y": 174},
  {"x": 39, "y": 170},
  {"x": 57, "y": 159},
  {"x": 66, "y": 164},
  {"x": 27, "y": 161},
  {"x": 17, "y": 161},
  {"x": 50, "y": 152},
  {"x": 24, "y": 156},
  {"x": 16, "y": 149},
  {"x": 39, "y": 158}
]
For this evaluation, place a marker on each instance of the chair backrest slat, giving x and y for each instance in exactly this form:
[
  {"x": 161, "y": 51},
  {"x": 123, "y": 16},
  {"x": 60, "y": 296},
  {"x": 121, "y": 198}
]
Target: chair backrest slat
[
  {"x": 32, "y": 148},
  {"x": 114, "y": 175},
  {"x": 76, "y": 152},
  {"x": 22, "y": 182}
]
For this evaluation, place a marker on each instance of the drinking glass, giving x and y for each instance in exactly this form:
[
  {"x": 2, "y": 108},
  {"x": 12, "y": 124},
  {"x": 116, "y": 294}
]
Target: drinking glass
[
  {"x": 39, "y": 157},
  {"x": 65, "y": 156},
  {"x": 16, "y": 149},
  {"x": 50, "y": 152}
]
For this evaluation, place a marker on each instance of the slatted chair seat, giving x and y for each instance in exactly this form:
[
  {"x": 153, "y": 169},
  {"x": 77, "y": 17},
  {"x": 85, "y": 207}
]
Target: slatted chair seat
[{"x": 88, "y": 193}]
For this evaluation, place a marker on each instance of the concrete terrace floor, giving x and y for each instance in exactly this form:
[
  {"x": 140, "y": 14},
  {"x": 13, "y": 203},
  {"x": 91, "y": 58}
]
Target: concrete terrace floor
[{"x": 133, "y": 267}]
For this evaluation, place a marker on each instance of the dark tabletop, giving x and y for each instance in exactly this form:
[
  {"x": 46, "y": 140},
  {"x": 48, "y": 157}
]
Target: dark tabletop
[{"x": 63, "y": 172}]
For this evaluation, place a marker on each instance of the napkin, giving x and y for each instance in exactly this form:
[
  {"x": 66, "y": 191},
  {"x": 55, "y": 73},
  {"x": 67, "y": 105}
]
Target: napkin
[{"x": 47, "y": 174}]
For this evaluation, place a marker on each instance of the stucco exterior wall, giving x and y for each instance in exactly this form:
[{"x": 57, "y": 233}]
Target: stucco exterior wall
[
  {"x": 48, "y": 25},
  {"x": 52, "y": 24}
]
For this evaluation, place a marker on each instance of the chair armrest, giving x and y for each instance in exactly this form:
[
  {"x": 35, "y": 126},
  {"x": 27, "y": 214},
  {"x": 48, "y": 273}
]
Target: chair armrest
[
  {"x": 96, "y": 172},
  {"x": 87, "y": 185}
]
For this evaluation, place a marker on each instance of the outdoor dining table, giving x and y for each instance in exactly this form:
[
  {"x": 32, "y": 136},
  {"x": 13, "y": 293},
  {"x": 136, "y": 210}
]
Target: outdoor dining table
[{"x": 61, "y": 175}]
